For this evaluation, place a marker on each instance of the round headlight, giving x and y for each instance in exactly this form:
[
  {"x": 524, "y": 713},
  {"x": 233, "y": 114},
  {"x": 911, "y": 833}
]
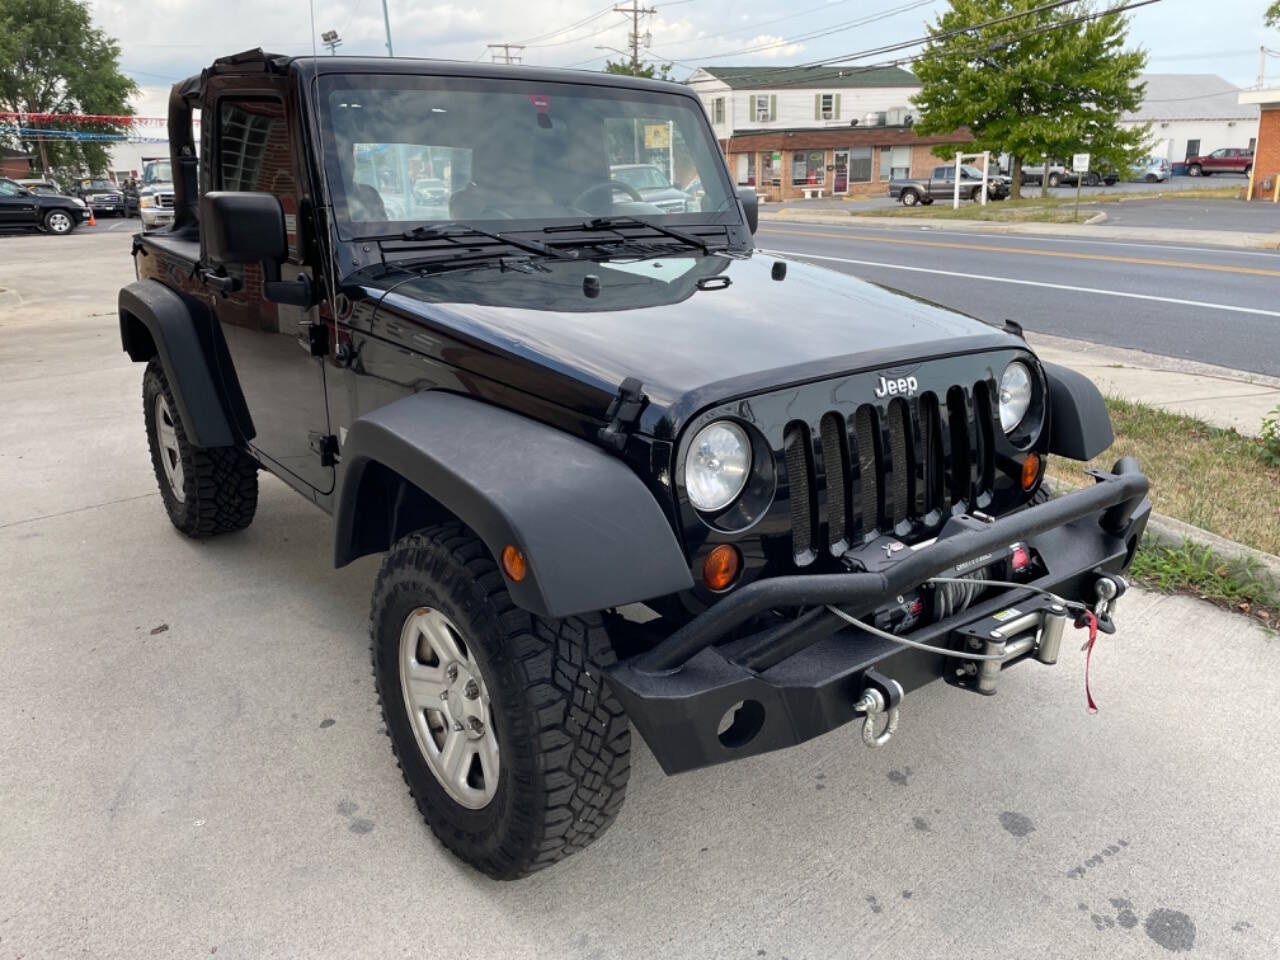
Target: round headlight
[
  {"x": 1015, "y": 395},
  {"x": 716, "y": 469}
]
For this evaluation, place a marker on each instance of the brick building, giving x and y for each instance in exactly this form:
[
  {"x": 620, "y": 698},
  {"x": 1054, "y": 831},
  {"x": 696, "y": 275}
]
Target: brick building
[
  {"x": 1266, "y": 156},
  {"x": 16, "y": 165},
  {"x": 853, "y": 161},
  {"x": 841, "y": 130}
]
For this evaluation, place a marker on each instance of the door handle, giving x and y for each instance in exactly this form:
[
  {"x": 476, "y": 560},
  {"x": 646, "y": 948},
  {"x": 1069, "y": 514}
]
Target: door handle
[{"x": 218, "y": 282}]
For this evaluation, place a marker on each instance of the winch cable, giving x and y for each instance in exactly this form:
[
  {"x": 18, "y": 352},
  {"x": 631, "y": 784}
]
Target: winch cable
[{"x": 947, "y": 651}]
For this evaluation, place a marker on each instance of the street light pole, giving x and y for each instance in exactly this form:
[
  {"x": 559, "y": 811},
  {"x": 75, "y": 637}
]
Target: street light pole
[{"x": 386, "y": 20}]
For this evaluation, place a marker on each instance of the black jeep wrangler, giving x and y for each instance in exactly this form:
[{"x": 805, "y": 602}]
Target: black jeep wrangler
[{"x": 623, "y": 467}]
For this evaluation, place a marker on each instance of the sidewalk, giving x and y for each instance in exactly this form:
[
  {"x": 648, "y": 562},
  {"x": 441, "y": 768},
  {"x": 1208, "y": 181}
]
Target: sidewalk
[
  {"x": 1249, "y": 240},
  {"x": 1217, "y": 395}
]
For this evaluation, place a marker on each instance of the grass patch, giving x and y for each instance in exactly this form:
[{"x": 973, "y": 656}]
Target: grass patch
[
  {"x": 1212, "y": 478},
  {"x": 1198, "y": 571},
  {"x": 999, "y": 211},
  {"x": 1032, "y": 208}
]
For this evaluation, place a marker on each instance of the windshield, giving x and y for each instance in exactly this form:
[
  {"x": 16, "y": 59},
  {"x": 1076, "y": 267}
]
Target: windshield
[
  {"x": 98, "y": 185},
  {"x": 407, "y": 150},
  {"x": 157, "y": 172}
]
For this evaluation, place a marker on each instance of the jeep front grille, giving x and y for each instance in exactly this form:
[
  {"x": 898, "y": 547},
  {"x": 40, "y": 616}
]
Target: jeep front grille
[{"x": 890, "y": 468}]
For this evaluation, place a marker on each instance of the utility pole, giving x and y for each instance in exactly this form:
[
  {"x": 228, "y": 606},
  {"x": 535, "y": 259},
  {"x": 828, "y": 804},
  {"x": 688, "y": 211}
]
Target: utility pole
[
  {"x": 634, "y": 39},
  {"x": 386, "y": 22},
  {"x": 1262, "y": 67},
  {"x": 501, "y": 53}
]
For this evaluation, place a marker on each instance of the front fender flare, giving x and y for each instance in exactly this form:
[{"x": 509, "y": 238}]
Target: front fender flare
[
  {"x": 172, "y": 329},
  {"x": 592, "y": 533},
  {"x": 1080, "y": 426}
]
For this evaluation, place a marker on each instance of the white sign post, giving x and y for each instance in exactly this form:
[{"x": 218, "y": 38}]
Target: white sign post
[
  {"x": 1079, "y": 164},
  {"x": 960, "y": 159}
]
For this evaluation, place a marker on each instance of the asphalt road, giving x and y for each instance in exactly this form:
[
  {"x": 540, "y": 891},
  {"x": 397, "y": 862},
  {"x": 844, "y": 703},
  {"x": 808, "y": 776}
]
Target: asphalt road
[
  {"x": 1214, "y": 305},
  {"x": 194, "y": 765}
]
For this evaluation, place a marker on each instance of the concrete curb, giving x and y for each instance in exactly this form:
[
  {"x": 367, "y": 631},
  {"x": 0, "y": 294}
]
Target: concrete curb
[
  {"x": 1171, "y": 532},
  {"x": 1092, "y": 229}
]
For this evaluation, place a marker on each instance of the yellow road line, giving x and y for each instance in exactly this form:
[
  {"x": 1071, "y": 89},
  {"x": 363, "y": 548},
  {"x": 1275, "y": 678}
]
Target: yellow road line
[{"x": 1023, "y": 252}]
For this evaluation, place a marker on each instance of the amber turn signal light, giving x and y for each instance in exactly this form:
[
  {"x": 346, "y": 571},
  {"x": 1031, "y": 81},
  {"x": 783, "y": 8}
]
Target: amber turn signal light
[
  {"x": 721, "y": 566},
  {"x": 514, "y": 563},
  {"x": 1030, "y": 470}
]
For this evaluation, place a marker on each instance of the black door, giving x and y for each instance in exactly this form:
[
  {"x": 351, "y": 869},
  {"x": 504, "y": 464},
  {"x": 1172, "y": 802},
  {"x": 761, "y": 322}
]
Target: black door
[
  {"x": 282, "y": 383},
  {"x": 17, "y": 206}
]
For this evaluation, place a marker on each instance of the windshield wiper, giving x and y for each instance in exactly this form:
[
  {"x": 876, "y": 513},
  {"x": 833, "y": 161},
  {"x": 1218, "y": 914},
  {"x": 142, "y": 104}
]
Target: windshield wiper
[
  {"x": 451, "y": 230},
  {"x": 614, "y": 223}
]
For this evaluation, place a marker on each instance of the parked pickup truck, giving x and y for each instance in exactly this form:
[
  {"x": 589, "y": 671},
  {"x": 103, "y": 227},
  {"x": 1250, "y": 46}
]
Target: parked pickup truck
[
  {"x": 941, "y": 185},
  {"x": 622, "y": 468},
  {"x": 1223, "y": 160}
]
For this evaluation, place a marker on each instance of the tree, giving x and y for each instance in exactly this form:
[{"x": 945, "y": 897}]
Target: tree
[
  {"x": 1034, "y": 86},
  {"x": 653, "y": 71},
  {"x": 1273, "y": 14},
  {"x": 52, "y": 60}
]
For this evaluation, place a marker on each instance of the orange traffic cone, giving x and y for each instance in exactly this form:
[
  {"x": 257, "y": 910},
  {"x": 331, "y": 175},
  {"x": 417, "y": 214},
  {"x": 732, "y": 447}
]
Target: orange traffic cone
[{"x": 92, "y": 221}]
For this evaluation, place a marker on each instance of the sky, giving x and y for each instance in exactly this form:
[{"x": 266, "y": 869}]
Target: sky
[{"x": 165, "y": 40}]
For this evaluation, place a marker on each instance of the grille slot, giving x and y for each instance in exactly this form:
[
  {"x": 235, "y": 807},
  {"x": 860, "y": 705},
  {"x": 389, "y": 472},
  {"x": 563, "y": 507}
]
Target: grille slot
[
  {"x": 888, "y": 470},
  {"x": 866, "y": 425},
  {"x": 800, "y": 493},
  {"x": 898, "y": 428},
  {"x": 835, "y": 457}
]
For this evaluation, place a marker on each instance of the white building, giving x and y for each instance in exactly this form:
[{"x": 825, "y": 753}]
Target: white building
[
  {"x": 1193, "y": 113},
  {"x": 739, "y": 99}
]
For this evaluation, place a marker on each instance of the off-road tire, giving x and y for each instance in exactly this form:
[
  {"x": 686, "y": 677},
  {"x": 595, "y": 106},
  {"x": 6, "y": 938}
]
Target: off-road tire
[
  {"x": 563, "y": 739},
  {"x": 910, "y": 198},
  {"x": 220, "y": 484}
]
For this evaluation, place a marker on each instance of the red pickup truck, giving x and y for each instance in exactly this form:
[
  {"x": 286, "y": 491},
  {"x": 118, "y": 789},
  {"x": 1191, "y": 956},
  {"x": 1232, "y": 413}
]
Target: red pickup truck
[{"x": 1223, "y": 160}]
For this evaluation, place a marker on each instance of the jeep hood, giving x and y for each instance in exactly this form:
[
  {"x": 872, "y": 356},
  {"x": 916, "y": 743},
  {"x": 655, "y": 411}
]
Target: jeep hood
[{"x": 694, "y": 329}]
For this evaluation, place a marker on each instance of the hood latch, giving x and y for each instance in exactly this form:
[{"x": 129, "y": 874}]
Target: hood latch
[{"x": 623, "y": 413}]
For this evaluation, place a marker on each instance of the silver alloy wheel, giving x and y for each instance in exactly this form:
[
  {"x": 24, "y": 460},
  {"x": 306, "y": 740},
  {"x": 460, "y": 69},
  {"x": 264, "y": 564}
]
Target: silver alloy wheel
[
  {"x": 170, "y": 455},
  {"x": 448, "y": 704},
  {"x": 58, "y": 222}
]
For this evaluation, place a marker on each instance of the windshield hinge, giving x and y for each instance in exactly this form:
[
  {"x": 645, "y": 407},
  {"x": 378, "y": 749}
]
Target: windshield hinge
[
  {"x": 325, "y": 446},
  {"x": 623, "y": 413}
]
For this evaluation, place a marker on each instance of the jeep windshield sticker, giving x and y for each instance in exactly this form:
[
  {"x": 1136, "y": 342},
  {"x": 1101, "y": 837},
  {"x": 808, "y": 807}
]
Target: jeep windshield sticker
[{"x": 667, "y": 269}]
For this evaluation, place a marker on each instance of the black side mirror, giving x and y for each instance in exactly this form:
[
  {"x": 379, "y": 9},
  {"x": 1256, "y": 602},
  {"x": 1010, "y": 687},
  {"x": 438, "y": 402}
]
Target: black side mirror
[
  {"x": 750, "y": 206},
  {"x": 243, "y": 227}
]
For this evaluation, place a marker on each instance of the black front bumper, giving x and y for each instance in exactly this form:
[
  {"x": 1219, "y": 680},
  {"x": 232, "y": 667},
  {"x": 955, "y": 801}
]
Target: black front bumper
[{"x": 802, "y": 679}]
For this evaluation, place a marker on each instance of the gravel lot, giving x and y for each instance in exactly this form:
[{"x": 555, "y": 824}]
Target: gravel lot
[{"x": 194, "y": 762}]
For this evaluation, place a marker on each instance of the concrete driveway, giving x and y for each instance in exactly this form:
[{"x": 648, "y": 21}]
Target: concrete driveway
[{"x": 194, "y": 762}]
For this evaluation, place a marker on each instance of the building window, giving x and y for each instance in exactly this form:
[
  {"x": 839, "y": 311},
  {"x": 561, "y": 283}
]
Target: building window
[
  {"x": 808, "y": 168},
  {"x": 895, "y": 163},
  {"x": 860, "y": 165},
  {"x": 827, "y": 106},
  {"x": 717, "y": 111},
  {"x": 764, "y": 107},
  {"x": 1193, "y": 148},
  {"x": 1253, "y": 143},
  {"x": 746, "y": 169}
]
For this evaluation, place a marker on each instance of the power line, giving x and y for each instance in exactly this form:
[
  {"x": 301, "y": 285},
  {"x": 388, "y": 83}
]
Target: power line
[
  {"x": 573, "y": 26},
  {"x": 818, "y": 32},
  {"x": 903, "y": 45},
  {"x": 979, "y": 47}
]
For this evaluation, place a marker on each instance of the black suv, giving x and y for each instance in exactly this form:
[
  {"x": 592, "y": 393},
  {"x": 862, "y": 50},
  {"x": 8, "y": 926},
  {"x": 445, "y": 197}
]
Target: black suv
[
  {"x": 622, "y": 467},
  {"x": 24, "y": 208}
]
